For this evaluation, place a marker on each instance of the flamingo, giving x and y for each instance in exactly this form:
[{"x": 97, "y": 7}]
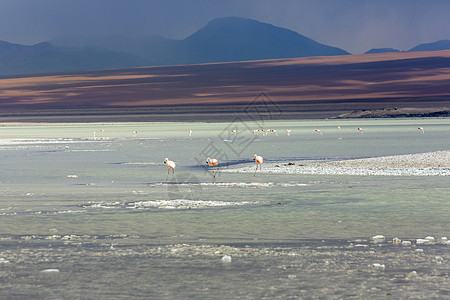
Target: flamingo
[
  {"x": 274, "y": 131},
  {"x": 288, "y": 132},
  {"x": 213, "y": 162},
  {"x": 255, "y": 132},
  {"x": 318, "y": 131},
  {"x": 94, "y": 134},
  {"x": 339, "y": 127},
  {"x": 234, "y": 131},
  {"x": 259, "y": 160},
  {"x": 190, "y": 132},
  {"x": 134, "y": 133},
  {"x": 360, "y": 130},
  {"x": 170, "y": 165},
  {"x": 421, "y": 129}
]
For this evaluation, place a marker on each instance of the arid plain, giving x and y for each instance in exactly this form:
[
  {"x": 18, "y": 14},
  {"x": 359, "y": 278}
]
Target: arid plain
[{"x": 388, "y": 84}]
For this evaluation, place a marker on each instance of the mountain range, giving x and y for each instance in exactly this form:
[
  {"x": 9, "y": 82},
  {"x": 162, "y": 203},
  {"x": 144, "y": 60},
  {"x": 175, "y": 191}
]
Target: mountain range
[{"x": 221, "y": 40}]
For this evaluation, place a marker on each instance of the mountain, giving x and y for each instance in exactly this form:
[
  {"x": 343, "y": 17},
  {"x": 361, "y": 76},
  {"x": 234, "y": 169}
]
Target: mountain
[
  {"x": 381, "y": 50},
  {"x": 221, "y": 40},
  {"x": 238, "y": 39},
  {"x": 46, "y": 58},
  {"x": 151, "y": 48},
  {"x": 439, "y": 45}
]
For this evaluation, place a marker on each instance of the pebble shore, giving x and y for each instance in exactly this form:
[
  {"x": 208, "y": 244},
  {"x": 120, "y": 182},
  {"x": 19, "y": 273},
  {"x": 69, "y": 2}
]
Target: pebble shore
[{"x": 422, "y": 164}]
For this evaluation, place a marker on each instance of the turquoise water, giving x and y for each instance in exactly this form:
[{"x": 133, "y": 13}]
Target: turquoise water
[{"x": 85, "y": 205}]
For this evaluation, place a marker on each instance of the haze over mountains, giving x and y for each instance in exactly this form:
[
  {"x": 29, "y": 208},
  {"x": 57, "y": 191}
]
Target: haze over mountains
[{"x": 221, "y": 40}]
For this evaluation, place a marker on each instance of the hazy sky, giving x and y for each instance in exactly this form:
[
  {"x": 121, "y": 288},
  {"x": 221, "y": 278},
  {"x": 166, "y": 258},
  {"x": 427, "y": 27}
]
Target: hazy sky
[{"x": 353, "y": 25}]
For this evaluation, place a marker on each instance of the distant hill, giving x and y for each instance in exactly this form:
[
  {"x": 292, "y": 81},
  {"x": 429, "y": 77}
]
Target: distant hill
[
  {"x": 46, "y": 58},
  {"x": 381, "y": 50},
  {"x": 439, "y": 45},
  {"x": 221, "y": 40}
]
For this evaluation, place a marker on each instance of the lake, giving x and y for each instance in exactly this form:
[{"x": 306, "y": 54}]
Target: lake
[{"x": 89, "y": 211}]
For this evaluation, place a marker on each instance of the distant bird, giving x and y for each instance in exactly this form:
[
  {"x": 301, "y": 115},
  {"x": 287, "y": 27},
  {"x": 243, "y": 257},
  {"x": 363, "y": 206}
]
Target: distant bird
[
  {"x": 134, "y": 133},
  {"x": 255, "y": 132},
  {"x": 288, "y": 132},
  {"x": 339, "y": 127},
  {"x": 94, "y": 134},
  {"x": 234, "y": 131},
  {"x": 170, "y": 165},
  {"x": 318, "y": 131},
  {"x": 421, "y": 129},
  {"x": 212, "y": 162},
  {"x": 258, "y": 160},
  {"x": 190, "y": 132},
  {"x": 274, "y": 131},
  {"x": 102, "y": 130},
  {"x": 360, "y": 130}
]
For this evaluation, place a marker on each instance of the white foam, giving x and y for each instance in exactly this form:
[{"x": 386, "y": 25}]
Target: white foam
[{"x": 50, "y": 271}]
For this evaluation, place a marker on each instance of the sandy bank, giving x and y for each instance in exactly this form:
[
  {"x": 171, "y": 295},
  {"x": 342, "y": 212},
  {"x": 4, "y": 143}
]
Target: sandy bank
[{"x": 423, "y": 164}]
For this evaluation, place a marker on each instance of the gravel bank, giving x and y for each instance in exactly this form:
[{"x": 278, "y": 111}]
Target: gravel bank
[{"x": 423, "y": 164}]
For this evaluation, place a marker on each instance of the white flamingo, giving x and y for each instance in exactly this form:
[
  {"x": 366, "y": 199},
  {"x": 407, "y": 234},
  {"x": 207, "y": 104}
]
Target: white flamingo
[
  {"x": 190, "y": 132},
  {"x": 212, "y": 162},
  {"x": 421, "y": 129},
  {"x": 134, "y": 133},
  {"x": 258, "y": 160},
  {"x": 255, "y": 132},
  {"x": 288, "y": 132},
  {"x": 234, "y": 131},
  {"x": 318, "y": 131},
  {"x": 339, "y": 127},
  {"x": 170, "y": 165}
]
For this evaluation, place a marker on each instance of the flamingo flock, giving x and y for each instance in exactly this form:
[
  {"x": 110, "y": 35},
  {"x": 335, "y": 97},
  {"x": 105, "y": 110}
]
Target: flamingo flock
[{"x": 212, "y": 162}]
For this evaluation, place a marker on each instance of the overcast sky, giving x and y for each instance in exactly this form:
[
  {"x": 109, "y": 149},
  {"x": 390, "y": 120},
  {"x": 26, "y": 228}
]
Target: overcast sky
[{"x": 353, "y": 25}]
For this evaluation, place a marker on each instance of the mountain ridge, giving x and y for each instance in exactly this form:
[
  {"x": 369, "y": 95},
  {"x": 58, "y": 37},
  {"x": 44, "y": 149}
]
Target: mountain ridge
[{"x": 221, "y": 40}]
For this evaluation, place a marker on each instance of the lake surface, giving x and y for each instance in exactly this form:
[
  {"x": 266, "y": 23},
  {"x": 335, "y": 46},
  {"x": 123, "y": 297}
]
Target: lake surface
[{"x": 95, "y": 215}]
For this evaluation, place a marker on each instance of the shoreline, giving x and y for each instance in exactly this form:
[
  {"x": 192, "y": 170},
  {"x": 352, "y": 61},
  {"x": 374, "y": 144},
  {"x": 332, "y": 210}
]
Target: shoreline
[{"x": 422, "y": 164}]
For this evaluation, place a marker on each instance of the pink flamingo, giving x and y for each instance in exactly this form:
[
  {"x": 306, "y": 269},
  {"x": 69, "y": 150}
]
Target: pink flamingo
[
  {"x": 318, "y": 131},
  {"x": 421, "y": 129},
  {"x": 234, "y": 131},
  {"x": 288, "y": 132},
  {"x": 134, "y": 133},
  {"x": 259, "y": 160},
  {"x": 170, "y": 165},
  {"x": 360, "y": 130},
  {"x": 212, "y": 162}
]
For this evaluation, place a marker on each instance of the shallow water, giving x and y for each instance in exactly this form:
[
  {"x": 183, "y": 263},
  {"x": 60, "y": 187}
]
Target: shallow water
[{"x": 105, "y": 214}]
